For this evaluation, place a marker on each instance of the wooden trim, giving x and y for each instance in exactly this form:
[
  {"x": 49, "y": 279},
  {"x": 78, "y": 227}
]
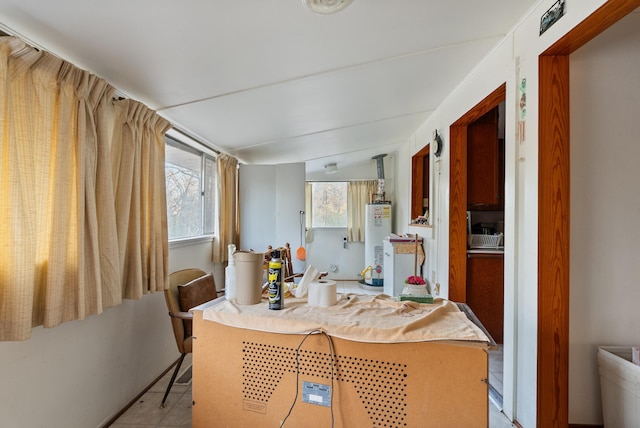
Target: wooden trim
[
  {"x": 483, "y": 107},
  {"x": 553, "y": 243},
  {"x": 553, "y": 212},
  {"x": 458, "y": 193},
  {"x": 458, "y": 214},
  {"x": 417, "y": 184},
  {"x": 604, "y": 17}
]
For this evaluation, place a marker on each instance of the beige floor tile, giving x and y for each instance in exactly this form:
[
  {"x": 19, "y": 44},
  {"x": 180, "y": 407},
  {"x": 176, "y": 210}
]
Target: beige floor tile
[
  {"x": 161, "y": 385},
  {"x": 180, "y": 414},
  {"x": 147, "y": 411}
]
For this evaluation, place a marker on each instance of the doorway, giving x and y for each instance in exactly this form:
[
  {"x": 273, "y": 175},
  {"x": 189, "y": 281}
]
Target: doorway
[
  {"x": 476, "y": 276},
  {"x": 553, "y": 212}
]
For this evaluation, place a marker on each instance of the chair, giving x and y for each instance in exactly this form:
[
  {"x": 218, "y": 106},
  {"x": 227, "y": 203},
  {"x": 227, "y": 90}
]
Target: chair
[
  {"x": 287, "y": 264},
  {"x": 181, "y": 320}
]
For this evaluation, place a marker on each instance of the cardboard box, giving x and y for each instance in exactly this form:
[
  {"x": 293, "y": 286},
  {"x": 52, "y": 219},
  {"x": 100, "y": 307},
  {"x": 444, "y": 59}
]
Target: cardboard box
[{"x": 247, "y": 378}]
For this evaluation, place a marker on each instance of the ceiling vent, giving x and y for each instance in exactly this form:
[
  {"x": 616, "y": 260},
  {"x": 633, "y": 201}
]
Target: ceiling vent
[{"x": 326, "y": 7}]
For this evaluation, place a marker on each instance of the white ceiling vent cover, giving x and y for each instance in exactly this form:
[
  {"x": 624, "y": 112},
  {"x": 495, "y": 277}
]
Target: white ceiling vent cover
[{"x": 326, "y": 7}]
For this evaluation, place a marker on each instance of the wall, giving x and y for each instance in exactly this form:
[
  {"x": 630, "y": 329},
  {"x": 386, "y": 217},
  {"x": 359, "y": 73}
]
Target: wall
[
  {"x": 271, "y": 198},
  {"x": 81, "y": 373},
  {"x": 605, "y": 207},
  {"x": 514, "y": 58},
  {"x": 97, "y": 365},
  {"x": 327, "y": 249}
]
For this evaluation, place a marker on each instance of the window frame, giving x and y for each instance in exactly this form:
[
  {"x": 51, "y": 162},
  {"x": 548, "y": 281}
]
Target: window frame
[
  {"x": 183, "y": 142},
  {"x": 346, "y": 213}
]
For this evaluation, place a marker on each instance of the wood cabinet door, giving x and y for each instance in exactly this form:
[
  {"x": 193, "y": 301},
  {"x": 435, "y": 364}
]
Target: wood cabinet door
[
  {"x": 485, "y": 291},
  {"x": 483, "y": 169}
]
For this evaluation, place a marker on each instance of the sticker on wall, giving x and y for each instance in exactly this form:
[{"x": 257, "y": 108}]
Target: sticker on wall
[
  {"x": 552, "y": 16},
  {"x": 522, "y": 108}
]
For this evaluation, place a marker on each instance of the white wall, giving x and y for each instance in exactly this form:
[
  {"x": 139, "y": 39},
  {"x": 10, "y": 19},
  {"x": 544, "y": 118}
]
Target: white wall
[
  {"x": 516, "y": 57},
  {"x": 271, "y": 198},
  {"x": 82, "y": 373},
  {"x": 605, "y": 208},
  {"x": 197, "y": 254}
]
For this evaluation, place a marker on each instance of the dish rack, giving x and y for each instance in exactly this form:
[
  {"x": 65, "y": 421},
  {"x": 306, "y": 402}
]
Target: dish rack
[{"x": 485, "y": 241}]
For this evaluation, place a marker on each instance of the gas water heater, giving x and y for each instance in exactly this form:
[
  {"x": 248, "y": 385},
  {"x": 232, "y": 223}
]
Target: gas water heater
[{"x": 377, "y": 228}]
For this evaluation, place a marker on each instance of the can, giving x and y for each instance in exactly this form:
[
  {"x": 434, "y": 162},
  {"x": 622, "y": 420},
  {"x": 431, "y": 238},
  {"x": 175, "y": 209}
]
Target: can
[{"x": 275, "y": 281}]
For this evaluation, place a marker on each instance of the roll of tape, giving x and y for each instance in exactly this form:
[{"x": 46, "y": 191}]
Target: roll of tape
[{"x": 322, "y": 293}]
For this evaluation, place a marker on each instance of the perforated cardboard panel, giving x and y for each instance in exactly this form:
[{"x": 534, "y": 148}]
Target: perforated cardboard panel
[{"x": 245, "y": 378}]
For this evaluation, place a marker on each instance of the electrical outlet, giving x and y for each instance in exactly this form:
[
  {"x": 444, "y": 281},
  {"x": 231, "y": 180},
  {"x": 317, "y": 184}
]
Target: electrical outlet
[{"x": 333, "y": 268}]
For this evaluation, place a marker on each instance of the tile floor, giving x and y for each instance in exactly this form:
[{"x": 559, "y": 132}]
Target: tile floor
[
  {"x": 495, "y": 376},
  {"x": 146, "y": 412}
]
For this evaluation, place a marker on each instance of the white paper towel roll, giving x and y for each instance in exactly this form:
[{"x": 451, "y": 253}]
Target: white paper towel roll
[{"x": 322, "y": 293}]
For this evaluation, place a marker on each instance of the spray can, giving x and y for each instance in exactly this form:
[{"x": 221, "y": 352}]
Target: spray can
[{"x": 275, "y": 281}]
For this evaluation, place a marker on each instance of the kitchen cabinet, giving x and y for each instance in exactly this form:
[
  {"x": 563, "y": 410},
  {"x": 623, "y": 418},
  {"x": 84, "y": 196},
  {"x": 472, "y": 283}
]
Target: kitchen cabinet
[
  {"x": 485, "y": 164},
  {"x": 485, "y": 290}
]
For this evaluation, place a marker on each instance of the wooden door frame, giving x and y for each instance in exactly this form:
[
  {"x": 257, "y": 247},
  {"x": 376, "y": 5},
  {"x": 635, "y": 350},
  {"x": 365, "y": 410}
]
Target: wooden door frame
[
  {"x": 458, "y": 193},
  {"x": 552, "y": 401},
  {"x": 553, "y": 212}
]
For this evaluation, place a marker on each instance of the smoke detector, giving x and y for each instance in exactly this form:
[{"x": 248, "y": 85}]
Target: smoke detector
[
  {"x": 326, "y": 7},
  {"x": 330, "y": 168}
]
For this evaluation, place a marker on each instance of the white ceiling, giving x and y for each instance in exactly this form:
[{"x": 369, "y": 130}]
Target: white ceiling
[{"x": 269, "y": 81}]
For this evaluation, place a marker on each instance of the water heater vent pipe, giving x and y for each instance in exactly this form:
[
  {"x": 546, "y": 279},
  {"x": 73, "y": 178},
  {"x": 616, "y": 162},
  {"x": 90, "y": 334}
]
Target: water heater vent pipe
[{"x": 379, "y": 196}]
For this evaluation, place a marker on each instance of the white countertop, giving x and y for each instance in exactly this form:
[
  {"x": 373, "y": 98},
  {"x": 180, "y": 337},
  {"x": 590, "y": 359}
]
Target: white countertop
[{"x": 496, "y": 251}]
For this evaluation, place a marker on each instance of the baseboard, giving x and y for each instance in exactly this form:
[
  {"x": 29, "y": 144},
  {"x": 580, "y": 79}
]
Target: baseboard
[
  {"x": 585, "y": 426},
  {"x": 137, "y": 397},
  {"x": 516, "y": 424}
]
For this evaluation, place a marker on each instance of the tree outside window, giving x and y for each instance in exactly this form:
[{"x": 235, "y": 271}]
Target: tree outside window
[{"x": 329, "y": 204}]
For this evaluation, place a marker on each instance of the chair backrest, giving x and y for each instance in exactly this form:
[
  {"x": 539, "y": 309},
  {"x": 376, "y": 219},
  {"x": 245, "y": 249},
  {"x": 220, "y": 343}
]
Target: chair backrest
[
  {"x": 285, "y": 255},
  {"x": 172, "y": 298}
]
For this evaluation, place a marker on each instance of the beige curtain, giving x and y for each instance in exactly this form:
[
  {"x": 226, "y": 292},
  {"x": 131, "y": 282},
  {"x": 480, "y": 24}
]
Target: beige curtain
[
  {"x": 358, "y": 194},
  {"x": 227, "y": 211},
  {"x": 308, "y": 213},
  {"x": 140, "y": 199},
  {"x": 57, "y": 260},
  {"x": 59, "y": 246}
]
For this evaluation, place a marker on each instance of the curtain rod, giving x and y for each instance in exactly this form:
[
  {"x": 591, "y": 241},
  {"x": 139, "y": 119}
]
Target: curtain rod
[
  {"x": 118, "y": 95},
  {"x": 192, "y": 138}
]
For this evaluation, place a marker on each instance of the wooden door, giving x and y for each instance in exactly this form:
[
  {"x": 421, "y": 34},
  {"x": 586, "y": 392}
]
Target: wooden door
[
  {"x": 483, "y": 170},
  {"x": 485, "y": 291}
]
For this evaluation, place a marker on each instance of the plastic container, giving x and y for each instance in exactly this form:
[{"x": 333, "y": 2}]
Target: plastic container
[
  {"x": 248, "y": 277},
  {"x": 230, "y": 275},
  {"x": 620, "y": 387},
  {"x": 484, "y": 241}
]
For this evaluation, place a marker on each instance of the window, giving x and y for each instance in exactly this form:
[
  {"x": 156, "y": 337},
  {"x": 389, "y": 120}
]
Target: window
[
  {"x": 329, "y": 204},
  {"x": 190, "y": 182}
]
